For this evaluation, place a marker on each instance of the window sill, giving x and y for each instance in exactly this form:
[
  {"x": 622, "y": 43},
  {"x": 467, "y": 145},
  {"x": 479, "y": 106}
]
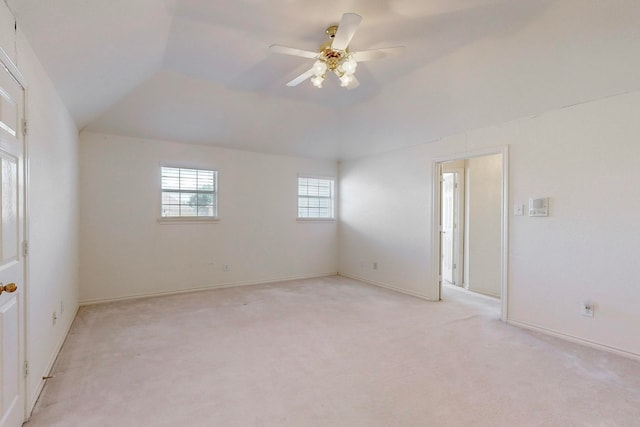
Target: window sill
[
  {"x": 315, "y": 219},
  {"x": 189, "y": 220}
]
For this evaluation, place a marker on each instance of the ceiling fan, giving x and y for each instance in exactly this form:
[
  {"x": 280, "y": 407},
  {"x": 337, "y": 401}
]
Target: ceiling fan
[{"x": 334, "y": 55}]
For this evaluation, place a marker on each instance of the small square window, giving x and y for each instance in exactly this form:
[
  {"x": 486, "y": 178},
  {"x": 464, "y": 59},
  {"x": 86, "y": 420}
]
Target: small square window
[
  {"x": 315, "y": 198},
  {"x": 189, "y": 193}
]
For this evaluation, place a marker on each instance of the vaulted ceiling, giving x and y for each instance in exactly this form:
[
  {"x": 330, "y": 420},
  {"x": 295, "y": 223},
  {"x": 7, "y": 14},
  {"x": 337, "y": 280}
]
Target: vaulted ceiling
[{"x": 200, "y": 71}]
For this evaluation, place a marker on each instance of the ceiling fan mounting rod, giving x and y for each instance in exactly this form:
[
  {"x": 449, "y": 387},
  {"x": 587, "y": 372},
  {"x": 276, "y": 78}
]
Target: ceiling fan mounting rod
[{"x": 332, "y": 30}]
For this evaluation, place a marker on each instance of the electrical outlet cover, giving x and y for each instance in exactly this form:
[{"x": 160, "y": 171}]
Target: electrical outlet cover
[{"x": 587, "y": 309}]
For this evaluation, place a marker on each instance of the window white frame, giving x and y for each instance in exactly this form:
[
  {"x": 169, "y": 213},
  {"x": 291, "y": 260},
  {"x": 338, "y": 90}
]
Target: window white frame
[
  {"x": 316, "y": 194},
  {"x": 182, "y": 183}
]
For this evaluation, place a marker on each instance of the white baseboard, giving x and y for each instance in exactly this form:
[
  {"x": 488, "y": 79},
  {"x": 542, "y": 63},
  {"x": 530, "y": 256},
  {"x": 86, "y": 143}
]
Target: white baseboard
[
  {"x": 574, "y": 339},
  {"x": 33, "y": 399},
  {"x": 386, "y": 286},
  {"x": 203, "y": 288}
]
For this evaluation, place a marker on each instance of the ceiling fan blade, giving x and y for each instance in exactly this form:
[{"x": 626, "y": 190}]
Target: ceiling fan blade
[
  {"x": 346, "y": 29},
  {"x": 370, "y": 55},
  {"x": 354, "y": 83},
  {"x": 276, "y": 48},
  {"x": 302, "y": 77}
]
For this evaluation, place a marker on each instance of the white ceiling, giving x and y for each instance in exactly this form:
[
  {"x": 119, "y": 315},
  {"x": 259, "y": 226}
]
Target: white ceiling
[{"x": 200, "y": 71}]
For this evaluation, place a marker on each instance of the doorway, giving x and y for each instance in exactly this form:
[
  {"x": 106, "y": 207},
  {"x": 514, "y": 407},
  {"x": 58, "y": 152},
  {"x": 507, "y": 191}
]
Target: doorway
[{"x": 470, "y": 211}]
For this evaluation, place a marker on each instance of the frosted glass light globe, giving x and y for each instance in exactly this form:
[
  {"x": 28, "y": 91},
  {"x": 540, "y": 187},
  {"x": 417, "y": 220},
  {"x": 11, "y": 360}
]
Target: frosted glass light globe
[
  {"x": 350, "y": 66},
  {"x": 319, "y": 68},
  {"x": 345, "y": 80},
  {"x": 317, "y": 81}
]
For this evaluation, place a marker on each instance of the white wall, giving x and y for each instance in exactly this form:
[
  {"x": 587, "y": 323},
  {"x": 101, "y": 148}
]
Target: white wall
[
  {"x": 53, "y": 222},
  {"x": 583, "y": 157},
  {"x": 385, "y": 219},
  {"x": 126, "y": 252},
  {"x": 484, "y": 224}
]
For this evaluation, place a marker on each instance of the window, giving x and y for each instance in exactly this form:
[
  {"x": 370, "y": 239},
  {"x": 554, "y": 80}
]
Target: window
[
  {"x": 189, "y": 193},
  {"x": 315, "y": 198}
]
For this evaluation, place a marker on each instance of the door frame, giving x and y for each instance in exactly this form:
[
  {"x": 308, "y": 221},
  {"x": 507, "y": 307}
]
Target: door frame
[
  {"x": 7, "y": 63},
  {"x": 436, "y": 168}
]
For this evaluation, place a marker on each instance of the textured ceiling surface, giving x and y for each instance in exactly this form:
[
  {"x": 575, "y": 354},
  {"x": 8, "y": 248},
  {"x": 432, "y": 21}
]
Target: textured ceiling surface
[{"x": 200, "y": 71}]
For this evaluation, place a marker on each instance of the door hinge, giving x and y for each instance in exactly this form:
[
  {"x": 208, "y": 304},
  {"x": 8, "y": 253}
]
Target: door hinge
[
  {"x": 26, "y": 368},
  {"x": 25, "y": 248},
  {"x": 24, "y": 127}
]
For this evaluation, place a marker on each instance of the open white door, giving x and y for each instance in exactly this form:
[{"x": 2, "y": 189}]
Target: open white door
[
  {"x": 448, "y": 246},
  {"x": 452, "y": 219},
  {"x": 11, "y": 259}
]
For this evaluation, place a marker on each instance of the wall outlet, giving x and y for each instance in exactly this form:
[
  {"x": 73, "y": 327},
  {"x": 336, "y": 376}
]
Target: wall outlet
[
  {"x": 518, "y": 210},
  {"x": 587, "y": 308},
  {"x": 375, "y": 265},
  {"x": 54, "y": 318},
  {"x": 225, "y": 267}
]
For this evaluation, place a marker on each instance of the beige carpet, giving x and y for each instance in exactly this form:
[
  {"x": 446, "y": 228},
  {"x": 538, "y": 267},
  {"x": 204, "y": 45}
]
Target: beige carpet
[{"x": 326, "y": 352}]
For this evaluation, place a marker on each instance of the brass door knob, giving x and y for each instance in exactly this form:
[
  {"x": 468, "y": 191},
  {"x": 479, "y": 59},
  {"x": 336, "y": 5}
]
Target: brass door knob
[{"x": 11, "y": 287}]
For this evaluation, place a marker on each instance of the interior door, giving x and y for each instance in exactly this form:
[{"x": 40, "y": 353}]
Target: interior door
[
  {"x": 11, "y": 260},
  {"x": 447, "y": 205}
]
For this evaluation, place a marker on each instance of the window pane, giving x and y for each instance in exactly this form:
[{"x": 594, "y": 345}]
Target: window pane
[
  {"x": 186, "y": 198},
  {"x": 170, "y": 179},
  {"x": 188, "y": 179},
  {"x": 205, "y": 178},
  {"x": 188, "y": 210},
  {"x": 170, "y": 198},
  {"x": 170, "y": 210},
  {"x": 205, "y": 199},
  {"x": 205, "y": 210}
]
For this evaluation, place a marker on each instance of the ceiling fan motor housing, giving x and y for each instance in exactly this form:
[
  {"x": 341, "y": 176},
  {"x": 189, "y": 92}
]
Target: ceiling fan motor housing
[{"x": 333, "y": 58}]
